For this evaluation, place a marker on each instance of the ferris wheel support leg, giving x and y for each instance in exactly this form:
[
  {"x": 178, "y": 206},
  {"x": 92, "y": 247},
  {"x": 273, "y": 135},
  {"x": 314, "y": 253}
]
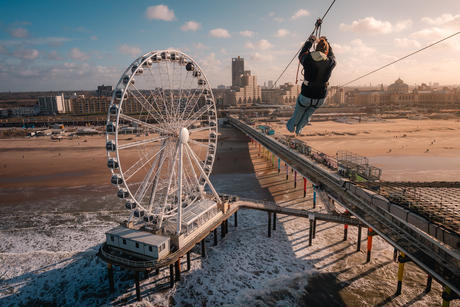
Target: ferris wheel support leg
[
  {"x": 179, "y": 191},
  {"x": 204, "y": 174}
]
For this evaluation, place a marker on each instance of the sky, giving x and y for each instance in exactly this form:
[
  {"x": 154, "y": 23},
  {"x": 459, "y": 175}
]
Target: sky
[{"x": 78, "y": 45}]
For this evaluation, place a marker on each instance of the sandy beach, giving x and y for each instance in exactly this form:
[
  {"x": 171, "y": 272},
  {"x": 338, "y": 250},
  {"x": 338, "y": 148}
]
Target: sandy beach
[{"x": 42, "y": 162}]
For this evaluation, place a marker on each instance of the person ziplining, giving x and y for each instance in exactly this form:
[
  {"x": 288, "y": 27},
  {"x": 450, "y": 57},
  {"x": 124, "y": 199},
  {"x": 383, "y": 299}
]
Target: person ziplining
[{"x": 317, "y": 69}]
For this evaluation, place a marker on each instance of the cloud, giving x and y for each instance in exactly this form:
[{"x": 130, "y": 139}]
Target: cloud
[
  {"x": 77, "y": 55},
  {"x": 372, "y": 26},
  {"x": 281, "y": 33},
  {"x": 94, "y": 38},
  {"x": 26, "y": 54},
  {"x": 82, "y": 29},
  {"x": 134, "y": 51},
  {"x": 272, "y": 15},
  {"x": 263, "y": 44},
  {"x": 405, "y": 42},
  {"x": 3, "y": 49},
  {"x": 300, "y": 13},
  {"x": 340, "y": 49},
  {"x": 54, "y": 56},
  {"x": 20, "y": 33},
  {"x": 247, "y": 33},
  {"x": 200, "y": 46},
  {"x": 191, "y": 26},
  {"x": 160, "y": 12},
  {"x": 431, "y": 34},
  {"x": 444, "y": 19},
  {"x": 361, "y": 49},
  {"x": 210, "y": 65},
  {"x": 223, "y": 51},
  {"x": 219, "y": 33},
  {"x": 262, "y": 57}
]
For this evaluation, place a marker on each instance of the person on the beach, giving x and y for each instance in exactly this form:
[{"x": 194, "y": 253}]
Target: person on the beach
[{"x": 317, "y": 66}]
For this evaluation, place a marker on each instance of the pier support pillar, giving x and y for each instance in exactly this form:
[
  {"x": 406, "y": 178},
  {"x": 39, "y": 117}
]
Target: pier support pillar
[
  {"x": 310, "y": 235},
  {"x": 177, "y": 265},
  {"x": 203, "y": 248},
  {"x": 287, "y": 171},
  {"x": 359, "y": 239},
  {"x": 110, "y": 273},
  {"x": 215, "y": 237},
  {"x": 273, "y": 160},
  {"x": 395, "y": 254},
  {"x": 188, "y": 261},
  {"x": 295, "y": 179},
  {"x": 269, "y": 224},
  {"x": 428, "y": 284},
  {"x": 369, "y": 244},
  {"x": 279, "y": 165},
  {"x": 157, "y": 272},
  {"x": 222, "y": 230},
  {"x": 447, "y": 296},
  {"x": 314, "y": 228},
  {"x": 236, "y": 218},
  {"x": 345, "y": 230},
  {"x": 226, "y": 226},
  {"x": 400, "y": 273},
  {"x": 274, "y": 221},
  {"x": 138, "y": 288},
  {"x": 314, "y": 197},
  {"x": 171, "y": 275},
  {"x": 259, "y": 147},
  {"x": 305, "y": 187}
]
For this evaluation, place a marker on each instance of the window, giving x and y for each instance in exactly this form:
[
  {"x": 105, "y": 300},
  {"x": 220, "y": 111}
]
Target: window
[
  {"x": 124, "y": 241},
  {"x": 112, "y": 238},
  {"x": 163, "y": 246},
  {"x": 137, "y": 245},
  {"x": 150, "y": 249},
  {"x": 159, "y": 248}
]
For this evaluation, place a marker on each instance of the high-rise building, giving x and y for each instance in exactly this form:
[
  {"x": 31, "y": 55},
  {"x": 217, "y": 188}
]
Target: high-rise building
[
  {"x": 270, "y": 84},
  {"x": 104, "y": 91},
  {"x": 237, "y": 70},
  {"x": 51, "y": 104}
]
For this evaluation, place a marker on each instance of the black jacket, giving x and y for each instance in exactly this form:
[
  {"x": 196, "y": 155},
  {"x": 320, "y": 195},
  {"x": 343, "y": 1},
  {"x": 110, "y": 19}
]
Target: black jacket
[{"x": 317, "y": 71}]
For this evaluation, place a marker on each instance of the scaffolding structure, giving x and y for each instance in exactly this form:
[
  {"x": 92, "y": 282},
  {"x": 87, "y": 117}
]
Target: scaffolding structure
[{"x": 357, "y": 167}]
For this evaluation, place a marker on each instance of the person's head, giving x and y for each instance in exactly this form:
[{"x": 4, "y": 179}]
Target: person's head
[{"x": 322, "y": 46}]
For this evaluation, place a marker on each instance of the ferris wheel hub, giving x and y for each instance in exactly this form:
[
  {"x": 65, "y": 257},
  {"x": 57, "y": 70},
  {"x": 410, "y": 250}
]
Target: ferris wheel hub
[{"x": 184, "y": 135}]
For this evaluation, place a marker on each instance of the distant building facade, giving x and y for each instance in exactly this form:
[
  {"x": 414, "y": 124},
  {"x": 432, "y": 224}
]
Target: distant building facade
[
  {"x": 51, "y": 104},
  {"x": 104, "y": 91},
  {"x": 237, "y": 70},
  {"x": 89, "y": 105}
]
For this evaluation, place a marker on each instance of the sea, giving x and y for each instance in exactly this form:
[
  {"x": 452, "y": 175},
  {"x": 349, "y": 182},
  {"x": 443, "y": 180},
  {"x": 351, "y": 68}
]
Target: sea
[{"x": 48, "y": 257}]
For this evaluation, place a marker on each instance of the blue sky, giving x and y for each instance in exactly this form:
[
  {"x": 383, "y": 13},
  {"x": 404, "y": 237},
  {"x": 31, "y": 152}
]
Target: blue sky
[{"x": 73, "y": 45}]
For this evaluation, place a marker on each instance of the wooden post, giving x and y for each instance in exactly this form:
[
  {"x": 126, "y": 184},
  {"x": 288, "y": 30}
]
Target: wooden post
[
  {"x": 236, "y": 218},
  {"x": 215, "y": 236},
  {"x": 110, "y": 273},
  {"x": 369, "y": 244},
  {"x": 287, "y": 171},
  {"x": 171, "y": 275},
  {"x": 226, "y": 226},
  {"x": 222, "y": 230},
  {"x": 314, "y": 228},
  {"x": 428, "y": 284},
  {"x": 138, "y": 289},
  {"x": 295, "y": 179},
  {"x": 274, "y": 221},
  {"x": 359, "y": 239},
  {"x": 203, "y": 248},
  {"x": 177, "y": 265},
  {"x": 269, "y": 224},
  {"x": 188, "y": 261}
]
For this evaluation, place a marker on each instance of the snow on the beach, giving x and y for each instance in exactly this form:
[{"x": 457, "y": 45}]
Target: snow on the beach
[{"x": 57, "y": 265}]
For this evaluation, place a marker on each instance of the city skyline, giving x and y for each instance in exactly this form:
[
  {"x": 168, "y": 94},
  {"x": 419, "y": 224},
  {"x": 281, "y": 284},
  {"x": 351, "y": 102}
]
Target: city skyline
[{"x": 79, "y": 45}]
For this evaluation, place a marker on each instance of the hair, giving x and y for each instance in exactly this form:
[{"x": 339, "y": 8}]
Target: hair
[{"x": 322, "y": 46}]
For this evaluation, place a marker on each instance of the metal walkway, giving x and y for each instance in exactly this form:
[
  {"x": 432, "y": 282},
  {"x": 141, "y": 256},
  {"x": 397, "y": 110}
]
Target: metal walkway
[{"x": 434, "y": 258}]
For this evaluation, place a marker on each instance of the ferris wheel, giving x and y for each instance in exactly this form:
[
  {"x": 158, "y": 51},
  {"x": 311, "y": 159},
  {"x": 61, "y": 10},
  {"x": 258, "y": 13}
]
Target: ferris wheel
[{"x": 161, "y": 136}]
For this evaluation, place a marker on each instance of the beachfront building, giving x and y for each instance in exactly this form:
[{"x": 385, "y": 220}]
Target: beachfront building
[
  {"x": 286, "y": 94},
  {"x": 51, "y": 105},
  {"x": 92, "y": 105},
  {"x": 248, "y": 93}
]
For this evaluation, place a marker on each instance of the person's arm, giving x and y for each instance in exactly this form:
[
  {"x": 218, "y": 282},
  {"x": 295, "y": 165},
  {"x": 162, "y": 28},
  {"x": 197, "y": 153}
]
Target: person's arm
[
  {"x": 306, "y": 47},
  {"x": 330, "y": 54}
]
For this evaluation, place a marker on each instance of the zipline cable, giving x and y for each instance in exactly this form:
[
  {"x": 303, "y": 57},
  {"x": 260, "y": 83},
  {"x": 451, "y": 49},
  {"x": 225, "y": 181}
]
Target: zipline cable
[
  {"x": 316, "y": 26},
  {"x": 401, "y": 59}
]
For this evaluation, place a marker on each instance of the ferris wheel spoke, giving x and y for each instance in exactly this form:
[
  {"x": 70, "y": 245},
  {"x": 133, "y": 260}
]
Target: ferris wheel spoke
[
  {"x": 193, "y": 103},
  {"x": 143, "y": 123},
  {"x": 152, "y": 140},
  {"x": 197, "y": 115},
  {"x": 146, "y": 105},
  {"x": 194, "y": 176},
  {"x": 198, "y": 143},
  {"x": 203, "y": 173},
  {"x": 161, "y": 95},
  {"x": 140, "y": 164},
  {"x": 201, "y": 129}
]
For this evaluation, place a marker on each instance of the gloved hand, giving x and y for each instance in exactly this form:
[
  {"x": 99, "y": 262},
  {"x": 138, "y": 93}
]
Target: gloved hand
[{"x": 312, "y": 39}]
